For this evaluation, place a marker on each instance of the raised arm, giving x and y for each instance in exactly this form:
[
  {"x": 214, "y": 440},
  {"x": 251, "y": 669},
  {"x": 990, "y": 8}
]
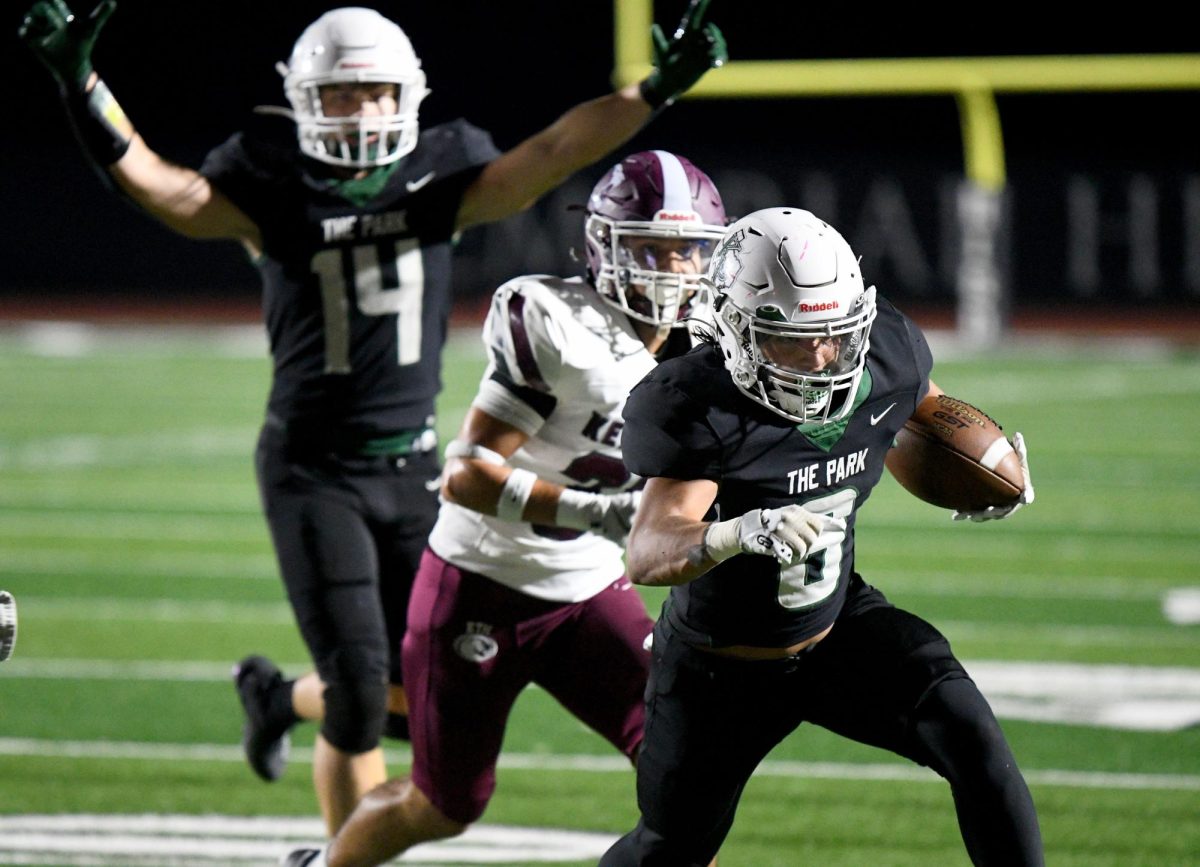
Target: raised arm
[
  {"x": 593, "y": 129},
  {"x": 180, "y": 197}
]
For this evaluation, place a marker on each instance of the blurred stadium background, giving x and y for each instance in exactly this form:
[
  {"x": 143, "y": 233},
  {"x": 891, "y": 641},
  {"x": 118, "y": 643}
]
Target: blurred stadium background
[{"x": 133, "y": 372}]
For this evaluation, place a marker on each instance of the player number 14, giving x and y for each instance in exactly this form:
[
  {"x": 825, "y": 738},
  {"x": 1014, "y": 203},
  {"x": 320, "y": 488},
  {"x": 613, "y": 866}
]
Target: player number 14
[{"x": 388, "y": 278}]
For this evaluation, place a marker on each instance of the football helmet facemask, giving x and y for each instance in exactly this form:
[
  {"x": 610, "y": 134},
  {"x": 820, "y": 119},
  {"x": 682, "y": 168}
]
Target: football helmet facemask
[
  {"x": 354, "y": 46},
  {"x": 652, "y": 223},
  {"x": 792, "y": 317}
]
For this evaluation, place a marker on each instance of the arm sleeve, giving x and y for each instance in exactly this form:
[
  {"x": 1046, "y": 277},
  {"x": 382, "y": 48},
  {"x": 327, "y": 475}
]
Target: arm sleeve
[
  {"x": 524, "y": 338},
  {"x": 523, "y": 408}
]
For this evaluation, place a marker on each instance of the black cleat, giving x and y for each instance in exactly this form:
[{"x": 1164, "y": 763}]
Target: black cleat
[
  {"x": 299, "y": 858},
  {"x": 265, "y": 739}
]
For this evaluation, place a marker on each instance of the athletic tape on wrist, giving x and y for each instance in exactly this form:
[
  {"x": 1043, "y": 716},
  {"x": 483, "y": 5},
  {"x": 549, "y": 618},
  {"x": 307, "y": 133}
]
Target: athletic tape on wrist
[
  {"x": 514, "y": 495},
  {"x": 722, "y": 540},
  {"x": 575, "y": 509},
  {"x": 100, "y": 123}
]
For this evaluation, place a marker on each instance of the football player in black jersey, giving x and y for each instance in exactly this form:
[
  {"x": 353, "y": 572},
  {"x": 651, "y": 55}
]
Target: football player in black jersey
[
  {"x": 759, "y": 448},
  {"x": 352, "y": 232}
]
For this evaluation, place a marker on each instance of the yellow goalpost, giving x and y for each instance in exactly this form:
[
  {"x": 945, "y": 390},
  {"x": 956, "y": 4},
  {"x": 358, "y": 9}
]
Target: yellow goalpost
[{"x": 972, "y": 81}]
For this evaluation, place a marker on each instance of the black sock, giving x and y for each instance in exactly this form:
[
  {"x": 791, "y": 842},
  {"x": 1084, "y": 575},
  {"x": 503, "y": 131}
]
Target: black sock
[{"x": 279, "y": 705}]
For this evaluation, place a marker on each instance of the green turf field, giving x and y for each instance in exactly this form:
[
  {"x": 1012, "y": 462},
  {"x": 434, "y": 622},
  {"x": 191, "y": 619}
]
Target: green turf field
[{"x": 131, "y": 537}]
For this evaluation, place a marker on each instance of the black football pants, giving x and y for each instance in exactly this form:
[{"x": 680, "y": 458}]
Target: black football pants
[{"x": 883, "y": 677}]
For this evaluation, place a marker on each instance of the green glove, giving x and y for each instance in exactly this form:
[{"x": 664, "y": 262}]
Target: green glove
[
  {"x": 694, "y": 48},
  {"x": 63, "y": 41}
]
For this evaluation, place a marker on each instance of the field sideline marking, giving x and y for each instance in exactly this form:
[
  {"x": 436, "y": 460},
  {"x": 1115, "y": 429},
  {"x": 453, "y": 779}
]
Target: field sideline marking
[
  {"x": 41, "y": 748},
  {"x": 148, "y": 839},
  {"x": 1124, "y": 697}
]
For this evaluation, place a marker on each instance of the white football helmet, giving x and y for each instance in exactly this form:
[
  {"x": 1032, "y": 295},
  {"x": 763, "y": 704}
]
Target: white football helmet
[
  {"x": 793, "y": 319},
  {"x": 360, "y": 46}
]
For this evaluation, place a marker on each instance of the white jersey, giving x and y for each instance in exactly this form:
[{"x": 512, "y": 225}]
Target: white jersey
[{"x": 561, "y": 363}]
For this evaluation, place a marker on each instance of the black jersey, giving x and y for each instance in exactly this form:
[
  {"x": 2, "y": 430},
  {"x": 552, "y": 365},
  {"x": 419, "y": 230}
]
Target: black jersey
[
  {"x": 356, "y": 298},
  {"x": 687, "y": 420}
]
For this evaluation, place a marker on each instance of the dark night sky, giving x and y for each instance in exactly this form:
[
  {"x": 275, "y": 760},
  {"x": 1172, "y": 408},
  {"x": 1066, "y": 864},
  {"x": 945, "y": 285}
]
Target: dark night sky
[{"x": 189, "y": 73}]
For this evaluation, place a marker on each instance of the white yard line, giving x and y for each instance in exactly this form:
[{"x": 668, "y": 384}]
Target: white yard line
[
  {"x": 155, "y": 611},
  {"x": 197, "y": 564},
  {"x": 1127, "y": 697},
  {"x": 125, "y": 670},
  {"x": 94, "y": 450},
  {"x": 1069, "y": 634},
  {"x": 602, "y": 764},
  {"x": 234, "y": 840}
]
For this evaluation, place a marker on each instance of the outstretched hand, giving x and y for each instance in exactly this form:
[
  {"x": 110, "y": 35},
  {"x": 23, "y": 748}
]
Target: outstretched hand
[
  {"x": 62, "y": 40},
  {"x": 679, "y": 62}
]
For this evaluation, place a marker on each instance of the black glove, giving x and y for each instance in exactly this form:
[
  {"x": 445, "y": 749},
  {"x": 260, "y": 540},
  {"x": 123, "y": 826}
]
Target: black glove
[
  {"x": 63, "y": 41},
  {"x": 694, "y": 48}
]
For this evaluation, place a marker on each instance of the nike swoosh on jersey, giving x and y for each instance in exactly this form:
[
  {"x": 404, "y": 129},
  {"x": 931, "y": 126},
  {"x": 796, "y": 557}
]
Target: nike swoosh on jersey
[
  {"x": 876, "y": 419},
  {"x": 413, "y": 186},
  {"x": 434, "y": 484}
]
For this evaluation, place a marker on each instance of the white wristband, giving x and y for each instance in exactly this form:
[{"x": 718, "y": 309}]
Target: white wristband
[
  {"x": 722, "y": 539},
  {"x": 514, "y": 495}
]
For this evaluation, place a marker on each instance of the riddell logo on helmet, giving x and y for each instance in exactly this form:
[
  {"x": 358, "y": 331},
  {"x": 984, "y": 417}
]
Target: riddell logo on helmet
[
  {"x": 817, "y": 306},
  {"x": 678, "y": 216}
]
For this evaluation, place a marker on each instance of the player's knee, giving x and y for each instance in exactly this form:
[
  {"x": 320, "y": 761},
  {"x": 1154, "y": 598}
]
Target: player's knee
[
  {"x": 405, "y": 806},
  {"x": 958, "y": 730},
  {"x": 355, "y": 714},
  {"x": 436, "y": 825}
]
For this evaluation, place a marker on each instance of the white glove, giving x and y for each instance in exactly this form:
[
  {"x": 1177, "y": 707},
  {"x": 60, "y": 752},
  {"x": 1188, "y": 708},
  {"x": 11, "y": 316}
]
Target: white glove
[
  {"x": 789, "y": 534},
  {"x": 607, "y": 515},
  {"x": 995, "y": 513}
]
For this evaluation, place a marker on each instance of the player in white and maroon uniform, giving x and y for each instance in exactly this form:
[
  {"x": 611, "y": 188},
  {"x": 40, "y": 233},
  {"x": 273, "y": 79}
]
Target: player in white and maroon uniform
[
  {"x": 758, "y": 448},
  {"x": 350, "y": 218},
  {"x": 523, "y": 578}
]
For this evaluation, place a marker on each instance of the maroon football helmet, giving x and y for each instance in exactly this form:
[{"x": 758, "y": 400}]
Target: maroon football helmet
[{"x": 653, "y": 221}]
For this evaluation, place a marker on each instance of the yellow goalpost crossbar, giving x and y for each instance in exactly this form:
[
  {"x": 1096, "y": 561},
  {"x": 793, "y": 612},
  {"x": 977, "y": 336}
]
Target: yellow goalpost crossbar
[{"x": 973, "y": 81}]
